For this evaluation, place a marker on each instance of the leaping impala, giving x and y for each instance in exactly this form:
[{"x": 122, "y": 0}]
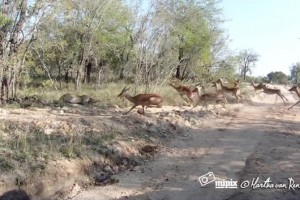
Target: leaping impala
[
  {"x": 297, "y": 90},
  {"x": 226, "y": 89},
  {"x": 257, "y": 87},
  {"x": 267, "y": 90},
  {"x": 217, "y": 97},
  {"x": 186, "y": 91},
  {"x": 148, "y": 100}
]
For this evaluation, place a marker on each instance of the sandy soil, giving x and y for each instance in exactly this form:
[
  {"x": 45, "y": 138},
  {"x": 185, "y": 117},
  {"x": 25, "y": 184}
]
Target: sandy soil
[
  {"x": 260, "y": 138},
  {"x": 256, "y": 138}
]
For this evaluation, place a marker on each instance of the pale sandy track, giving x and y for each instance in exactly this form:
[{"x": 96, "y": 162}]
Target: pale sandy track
[{"x": 249, "y": 141}]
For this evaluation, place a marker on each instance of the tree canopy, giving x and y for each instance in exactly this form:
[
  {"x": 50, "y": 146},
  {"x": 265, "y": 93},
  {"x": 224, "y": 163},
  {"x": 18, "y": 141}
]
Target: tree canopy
[{"x": 97, "y": 41}]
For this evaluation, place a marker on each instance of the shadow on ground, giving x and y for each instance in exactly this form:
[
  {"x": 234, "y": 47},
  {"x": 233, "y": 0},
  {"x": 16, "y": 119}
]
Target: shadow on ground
[{"x": 15, "y": 195}]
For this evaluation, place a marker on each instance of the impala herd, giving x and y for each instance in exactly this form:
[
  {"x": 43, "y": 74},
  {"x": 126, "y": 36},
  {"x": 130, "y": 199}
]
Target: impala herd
[{"x": 194, "y": 97}]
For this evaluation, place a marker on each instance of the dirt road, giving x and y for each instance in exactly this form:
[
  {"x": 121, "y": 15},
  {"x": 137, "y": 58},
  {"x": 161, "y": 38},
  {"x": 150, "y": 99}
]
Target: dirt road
[{"x": 247, "y": 142}]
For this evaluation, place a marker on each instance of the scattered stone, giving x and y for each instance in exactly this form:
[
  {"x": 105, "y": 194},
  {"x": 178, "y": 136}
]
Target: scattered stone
[
  {"x": 108, "y": 169},
  {"x": 149, "y": 148},
  {"x": 105, "y": 179},
  {"x": 75, "y": 99},
  {"x": 20, "y": 179}
]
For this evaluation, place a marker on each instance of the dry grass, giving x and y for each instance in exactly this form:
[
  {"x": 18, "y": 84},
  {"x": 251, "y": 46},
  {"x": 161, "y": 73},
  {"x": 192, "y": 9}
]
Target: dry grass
[
  {"x": 105, "y": 94},
  {"x": 29, "y": 146}
]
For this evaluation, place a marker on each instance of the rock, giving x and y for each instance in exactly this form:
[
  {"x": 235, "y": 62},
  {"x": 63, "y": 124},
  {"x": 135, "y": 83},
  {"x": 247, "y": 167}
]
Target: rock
[
  {"x": 108, "y": 169},
  {"x": 148, "y": 148},
  {"x": 20, "y": 179},
  {"x": 70, "y": 98},
  {"x": 105, "y": 179},
  {"x": 75, "y": 99},
  {"x": 84, "y": 99}
]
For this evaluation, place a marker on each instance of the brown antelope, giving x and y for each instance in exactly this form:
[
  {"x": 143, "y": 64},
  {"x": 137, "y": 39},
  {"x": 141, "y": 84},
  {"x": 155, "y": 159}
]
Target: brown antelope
[
  {"x": 186, "y": 91},
  {"x": 205, "y": 98},
  {"x": 297, "y": 90},
  {"x": 226, "y": 89},
  {"x": 148, "y": 100},
  {"x": 257, "y": 87},
  {"x": 267, "y": 90},
  {"x": 236, "y": 83}
]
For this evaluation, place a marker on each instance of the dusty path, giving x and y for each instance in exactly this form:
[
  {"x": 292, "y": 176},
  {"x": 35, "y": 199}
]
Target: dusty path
[{"x": 248, "y": 142}]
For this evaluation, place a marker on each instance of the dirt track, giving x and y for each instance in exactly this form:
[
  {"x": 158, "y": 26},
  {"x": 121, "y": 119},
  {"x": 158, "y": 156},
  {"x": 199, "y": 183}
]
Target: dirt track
[{"x": 247, "y": 142}]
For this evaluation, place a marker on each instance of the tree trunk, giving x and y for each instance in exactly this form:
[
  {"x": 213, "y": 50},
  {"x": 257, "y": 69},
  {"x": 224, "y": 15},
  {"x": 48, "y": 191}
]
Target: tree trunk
[
  {"x": 67, "y": 77},
  {"x": 78, "y": 78},
  {"x": 180, "y": 56},
  {"x": 121, "y": 76},
  {"x": 88, "y": 72}
]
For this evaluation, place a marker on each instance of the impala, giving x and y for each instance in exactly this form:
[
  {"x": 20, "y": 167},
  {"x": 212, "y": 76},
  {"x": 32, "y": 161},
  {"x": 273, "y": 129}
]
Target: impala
[{"x": 148, "y": 100}]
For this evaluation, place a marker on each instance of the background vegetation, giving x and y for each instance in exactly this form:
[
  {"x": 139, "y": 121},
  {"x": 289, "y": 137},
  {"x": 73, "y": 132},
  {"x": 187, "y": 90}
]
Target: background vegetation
[{"x": 67, "y": 45}]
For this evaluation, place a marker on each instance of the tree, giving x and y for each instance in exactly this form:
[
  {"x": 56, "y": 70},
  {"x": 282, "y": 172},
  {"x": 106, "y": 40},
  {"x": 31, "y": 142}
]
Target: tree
[
  {"x": 225, "y": 68},
  {"x": 278, "y": 77},
  {"x": 18, "y": 20},
  {"x": 193, "y": 30},
  {"x": 79, "y": 37},
  {"x": 295, "y": 73},
  {"x": 247, "y": 60}
]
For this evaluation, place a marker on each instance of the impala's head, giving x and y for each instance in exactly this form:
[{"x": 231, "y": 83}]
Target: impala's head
[
  {"x": 261, "y": 84},
  {"x": 214, "y": 84},
  {"x": 236, "y": 82},
  {"x": 219, "y": 80},
  {"x": 123, "y": 92},
  {"x": 294, "y": 88}
]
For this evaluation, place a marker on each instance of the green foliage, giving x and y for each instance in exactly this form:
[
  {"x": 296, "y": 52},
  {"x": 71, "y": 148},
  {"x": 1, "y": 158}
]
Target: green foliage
[
  {"x": 5, "y": 21},
  {"x": 278, "y": 77},
  {"x": 190, "y": 26},
  {"x": 117, "y": 37},
  {"x": 225, "y": 69},
  {"x": 6, "y": 164},
  {"x": 295, "y": 73}
]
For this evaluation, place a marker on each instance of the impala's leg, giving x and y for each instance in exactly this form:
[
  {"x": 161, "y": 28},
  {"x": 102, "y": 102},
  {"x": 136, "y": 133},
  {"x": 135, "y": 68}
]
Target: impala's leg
[
  {"x": 183, "y": 98},
  {"x": 237, "y": 96},
  {"x": 130, "y": 110},
  {"x": 277, "y": 97},
  {"x": 224, "y": 101},
  {"x": 284, "y": 97},
  {"x": 260, "y": 97},
  {"x": 223, "y": 104},
  {"x": 206, "y": 105},
  {"x": 281, "y": 96},
  {"x": 215, "y": 104},
  {"x": 159, "y": 105},
  {"x": 294, "y": 105},
  {"x": 190, "y": 97},
  {"x": 143, "y": 109},
  {"x": 203, "y": 104},
  {"x": 259, "y": 92},
  {"x": 253, "y": 92},
  {"x": 196, "y": 103}
]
